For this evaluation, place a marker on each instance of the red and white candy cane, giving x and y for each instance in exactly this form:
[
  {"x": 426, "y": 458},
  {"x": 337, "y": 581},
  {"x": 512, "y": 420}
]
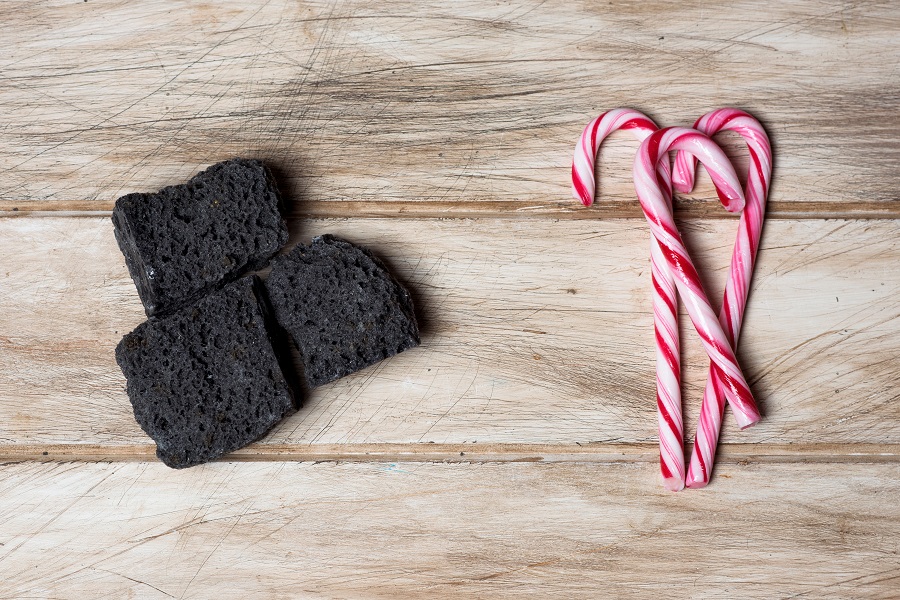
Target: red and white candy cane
[
  {"x": 653, "y": 198},
  {"x": 742, "y": 262},
  {"x": 665, "y": 300}
]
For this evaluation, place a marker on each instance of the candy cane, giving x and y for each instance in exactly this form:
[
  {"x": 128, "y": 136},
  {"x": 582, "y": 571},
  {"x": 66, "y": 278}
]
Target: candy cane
[
  {"x": 653, "y": 198},
  {"x": 665, "y": 301},
  {"x": 742, "y": 262}
]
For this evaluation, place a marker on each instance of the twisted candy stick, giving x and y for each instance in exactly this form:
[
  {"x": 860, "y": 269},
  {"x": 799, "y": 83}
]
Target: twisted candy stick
[
  {"x": 742, "y": 262},
  {"x": 583, "y": 183},
  {"x": 665, "y": 301},
  {"x": 662, "y": 224}
]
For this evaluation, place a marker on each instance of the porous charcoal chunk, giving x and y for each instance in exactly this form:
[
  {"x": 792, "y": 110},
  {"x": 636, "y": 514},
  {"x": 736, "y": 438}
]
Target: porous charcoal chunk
[
  {"x": 341, "y": 307},
  {"x": 205, "y": 380},
  {"x": 186, "y": 239}
]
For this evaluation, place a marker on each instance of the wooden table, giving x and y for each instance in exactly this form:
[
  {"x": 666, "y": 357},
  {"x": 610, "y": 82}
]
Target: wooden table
[{"x": 513, "y": 454}]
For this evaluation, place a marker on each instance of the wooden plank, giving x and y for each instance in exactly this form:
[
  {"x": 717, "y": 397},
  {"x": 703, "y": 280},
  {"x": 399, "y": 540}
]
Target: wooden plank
[
  {"x": 382, "y": 530},
  {"x": 459, "y": 104},
  {"x": 536, "y": 335}
]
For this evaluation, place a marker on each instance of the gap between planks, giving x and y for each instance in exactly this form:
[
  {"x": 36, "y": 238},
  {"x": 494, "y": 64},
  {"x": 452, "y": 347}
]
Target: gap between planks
[
  {"x": 469, "y": 453},
  {"x": 569, "y": 210}
]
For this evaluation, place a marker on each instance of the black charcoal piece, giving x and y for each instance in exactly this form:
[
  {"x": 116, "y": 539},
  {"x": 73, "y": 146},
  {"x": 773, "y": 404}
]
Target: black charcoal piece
[
  {"x": 205, "y": 380},
  {"x": 186, "y": 239},
  {"x": 340, "y": 306}
]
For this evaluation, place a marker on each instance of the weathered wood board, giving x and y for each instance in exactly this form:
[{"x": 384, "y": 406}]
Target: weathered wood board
[
  {"x": 460, "y": 103},
  {"x": 533, "y": 334},
  {"x": 413, "y": 530}
]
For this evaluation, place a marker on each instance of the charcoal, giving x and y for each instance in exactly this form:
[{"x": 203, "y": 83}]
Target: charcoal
[
  {"x": 187, "y": 239},
  {"x": 205, "y": 380},
  {"x": 341, "y": 308}
]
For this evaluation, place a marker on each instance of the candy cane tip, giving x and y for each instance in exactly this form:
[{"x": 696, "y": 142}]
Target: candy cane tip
[
  {"x": 733, "y": 202},
  {"x": 749, "y": 424},
  {"x": 673, "y": 484},
  {"x": 581, "y": 197},
  {"x": 744, "y": 419},
  {"x": 682, "y": 187},
  {"x": 695, "y": 484}
]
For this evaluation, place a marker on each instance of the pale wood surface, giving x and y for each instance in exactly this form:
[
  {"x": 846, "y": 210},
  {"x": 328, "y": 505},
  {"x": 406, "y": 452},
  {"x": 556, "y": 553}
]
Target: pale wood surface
[
  {"x": 532, "y": 334},
  {"x": 414, "y": 530},
  {"x": 513, "y": 453},
  {"x": 450, "y": 102}
]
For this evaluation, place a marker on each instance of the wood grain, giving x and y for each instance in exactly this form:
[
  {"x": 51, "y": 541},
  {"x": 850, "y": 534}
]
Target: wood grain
[
  {"x": 512, "y": 454},
  {"x": 474, "y": 452},
  {"x": 531, "y": 335},
  {"x": 458, "y": 104},
  {"x": 419, "y": 530}
]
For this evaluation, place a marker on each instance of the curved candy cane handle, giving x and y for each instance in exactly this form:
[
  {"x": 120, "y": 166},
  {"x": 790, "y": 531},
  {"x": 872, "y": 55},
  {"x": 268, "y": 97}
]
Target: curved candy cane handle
[{"x": 584, "y": 160}]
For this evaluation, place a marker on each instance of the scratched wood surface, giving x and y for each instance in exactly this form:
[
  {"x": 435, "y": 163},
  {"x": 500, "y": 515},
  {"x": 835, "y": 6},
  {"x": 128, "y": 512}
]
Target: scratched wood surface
[
  {"x": 420, "y": 530},
  {"x": 513, "y": 453},
  {"x": 459, "y": 103},
  {"x": 532, "y": 334}
]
